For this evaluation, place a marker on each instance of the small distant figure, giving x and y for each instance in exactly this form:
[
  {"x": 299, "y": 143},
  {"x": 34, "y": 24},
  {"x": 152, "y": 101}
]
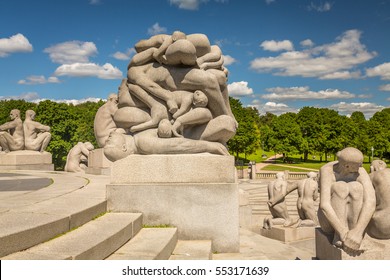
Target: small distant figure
[
  {"x": 277, "y": 191},
  {"x": 307, "y": 195},
  {"x": 347, "y": 200},
  {"x": 104, "y": 119},
  {"x": 11, "y": 133},
  {"x": 77, "y": 158},
  {"x": 36, "y": 136}
]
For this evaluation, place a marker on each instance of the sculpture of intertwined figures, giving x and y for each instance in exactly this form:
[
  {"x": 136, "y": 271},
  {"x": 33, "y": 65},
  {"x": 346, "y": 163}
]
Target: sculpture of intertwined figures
[{"x": 173, "y": 101}]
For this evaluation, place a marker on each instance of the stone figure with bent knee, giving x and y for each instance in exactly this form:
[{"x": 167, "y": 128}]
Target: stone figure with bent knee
[
  {"x": 78, "y": 156},
  {"x": 12, "y": 134},
  {"x": 347, "y": 200},
  {"x": 37, "y": 135}
]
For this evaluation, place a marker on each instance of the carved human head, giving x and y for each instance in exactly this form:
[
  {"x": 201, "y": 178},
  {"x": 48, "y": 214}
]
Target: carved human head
[
  {"x": 164, "y": 129},
  {"x": 119, "y": 146},
  {"x": 280, "y": 175},
  {"x": 30, "y": 114},
  {"x": 177, "y": 35},
  {"x": 200, "y": 99},
  {"x": 377, "y": 165},
  {"x": 113, "y": 97},
  {"x": 312, "y": 175},
  {"x": 15, "y": 113},
  {"x": 350, "y": 159}
]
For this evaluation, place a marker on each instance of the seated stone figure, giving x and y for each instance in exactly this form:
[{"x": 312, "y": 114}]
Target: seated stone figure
[
  {"x": 78, "y": 156},
  {"x": 36, "y": 135},
  {"x": 379, "y": 226},
  {"x": 11, "y": 133},
  {"x": 307, "y": 195},
  {"x": 277, "y": 191},
  {"x": 347, "y": 200}
]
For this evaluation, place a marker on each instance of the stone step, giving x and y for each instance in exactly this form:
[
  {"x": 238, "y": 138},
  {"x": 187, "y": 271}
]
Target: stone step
[
  {"x": 192, "y": 250},
  {"x": 93, "y": 241},
  {"x": 148, "y": 244}
]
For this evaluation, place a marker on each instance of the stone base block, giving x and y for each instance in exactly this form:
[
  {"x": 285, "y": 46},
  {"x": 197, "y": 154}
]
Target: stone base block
[
  {"x": 26, "y": 160},
  {"x": 199, "y": 211},
  {"x": 371, "y": 249},
  {"x": 286, "y": 234},
  {"x": 193, "y": 168},
  {"x": 98, "y": 164}
]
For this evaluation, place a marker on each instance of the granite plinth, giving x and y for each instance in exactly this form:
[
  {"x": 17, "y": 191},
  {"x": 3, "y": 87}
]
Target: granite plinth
[
  {"x": 287, "y": 234},
  {"x": 193, "y": 168},
  {"x": 370, "y": 249},
  {"x": 26, "y": 160},
  {"x": 98, "y": 164},
  {"x": 198, "y": 194}
]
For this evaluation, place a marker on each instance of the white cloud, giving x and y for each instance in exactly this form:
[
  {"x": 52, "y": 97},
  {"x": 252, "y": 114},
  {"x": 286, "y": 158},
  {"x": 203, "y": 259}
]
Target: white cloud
[
  {"x": 385, "y": 87},
  {"x": 276, "y": 46},
  {"x": 34, "y": 80},
  {"x": 368, "y": 109},
  {"x": 107, "y": 71},
  {"x": 321, "y": 61},
  {"x": 124, "y": 55},
  {"x": 307, "y": 43},
  {"x": 14, "y": 44},
  {"x": 71, "y": 52},
  {"x": 192, "y": 4},
  {"x": 322, "y": 7},
  {"x": 28, "y": 96},
  {"x": 228, "y": 60},
  {"x": 272, "y": 107},
  {"x": 382, "y": 70},
  {"x": 342, "y": 75},
  {"x": 156, "y": 29},
  {"x": 239, "y": 89},
  {"x": 303, "y": 93}
]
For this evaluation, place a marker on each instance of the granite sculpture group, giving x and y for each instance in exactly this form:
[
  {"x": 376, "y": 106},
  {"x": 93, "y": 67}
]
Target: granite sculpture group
[
  {"x": 352, "y": 202},
  {"x": 17, "y": 135},
  {"x": 174, "y": 101}
]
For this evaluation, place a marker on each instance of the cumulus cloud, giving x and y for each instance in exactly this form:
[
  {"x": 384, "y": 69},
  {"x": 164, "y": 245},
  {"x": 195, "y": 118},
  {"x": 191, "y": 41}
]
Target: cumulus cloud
[
  {"x": 382, "y": 71},
  {"x": 192, "y": 4},
  {"x": 156, "y": 29},
  {"x": 228, "y": 60},
  {"x": 71, "y": 52},
  {"x": 107, "y": 71},
  {"x": 303, "y": 93},
  {"x": 124, "y": 55},
  {"x": 368, "y": 109},
  {"x": 239, "y": 89},
  {"x": 307, "y": 43},
  {"x": 34, "y": 80},
  {"x": 321, "y": 61},
  {"x": 14, "y": 44},
  {"x": 272, "y": 107},
  {"x": 385, "y": 87},
  {"x": 342, "y": 75},
  {"x": 28, "y": 96},
  {"x": 322, "y": 7},
  {"x": 276, "y": 46}
]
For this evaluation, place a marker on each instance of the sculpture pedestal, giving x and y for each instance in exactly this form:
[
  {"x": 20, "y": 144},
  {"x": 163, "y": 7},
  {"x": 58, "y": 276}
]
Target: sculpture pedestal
[
  {"x": 196, "y": 193},
  {"x": 287, "y": 234},
  {"x": 26, "y": 160},
  {"x": 98, "y": 164},
  {"x": 372, "y": 249}
]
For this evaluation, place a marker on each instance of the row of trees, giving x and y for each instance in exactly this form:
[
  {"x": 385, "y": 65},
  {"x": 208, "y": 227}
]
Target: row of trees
[{"x": 311, "y": 131}]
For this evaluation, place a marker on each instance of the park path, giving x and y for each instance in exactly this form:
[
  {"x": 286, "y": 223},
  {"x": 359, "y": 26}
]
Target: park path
[{"x": 271, "y": 160}]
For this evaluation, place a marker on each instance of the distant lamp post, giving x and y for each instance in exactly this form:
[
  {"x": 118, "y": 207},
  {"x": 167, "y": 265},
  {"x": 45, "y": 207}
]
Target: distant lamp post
[{"x": 372, "y": 153}]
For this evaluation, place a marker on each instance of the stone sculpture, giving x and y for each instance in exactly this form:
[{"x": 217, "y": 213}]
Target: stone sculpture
[
  {"x": 347, "y": 200},
  {"x": 11, "y": 133},
  {"x": 379, "y": 226},
  {"x": 307, "y": 195},
  {"x": 277, "y": 191},
  {"x": 77, "y": 158},
  {"x": 36, "y": 135},
  {"x": 174, "y": 101}
]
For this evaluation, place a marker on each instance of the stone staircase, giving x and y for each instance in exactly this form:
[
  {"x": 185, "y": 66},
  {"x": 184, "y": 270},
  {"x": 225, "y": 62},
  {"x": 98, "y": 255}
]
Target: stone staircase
[{"x": 68, "y": 220}]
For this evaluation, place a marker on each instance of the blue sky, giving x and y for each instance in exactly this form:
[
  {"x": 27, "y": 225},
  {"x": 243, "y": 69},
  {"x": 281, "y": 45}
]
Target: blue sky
[{"x": 281, "y": 54}]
